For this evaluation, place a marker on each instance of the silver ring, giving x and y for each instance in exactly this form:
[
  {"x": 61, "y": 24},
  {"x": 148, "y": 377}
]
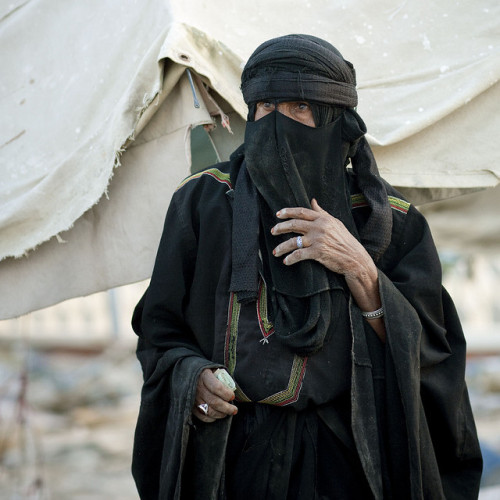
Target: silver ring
[
  {"x": 300, "y": 244},
  {"x": 204, "y": 408}
]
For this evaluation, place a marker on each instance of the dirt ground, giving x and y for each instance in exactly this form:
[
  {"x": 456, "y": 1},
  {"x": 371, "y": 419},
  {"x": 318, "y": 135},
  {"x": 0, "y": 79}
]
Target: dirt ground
[{"x": 67, "y": 422}]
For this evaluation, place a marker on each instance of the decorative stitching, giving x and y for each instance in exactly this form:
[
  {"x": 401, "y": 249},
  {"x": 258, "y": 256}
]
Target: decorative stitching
[
  {"x": 232, "y": 333},
  {"x": 292, "y": 392},
  {"x": 266, "y": 327},
  {"x": 399, "y": 204},
  {"x": 231, "y": 341},
  {"x": 215, "y": 173},
  {"x": 358, "y": 200},
  {"x": 297, "y": 372}
]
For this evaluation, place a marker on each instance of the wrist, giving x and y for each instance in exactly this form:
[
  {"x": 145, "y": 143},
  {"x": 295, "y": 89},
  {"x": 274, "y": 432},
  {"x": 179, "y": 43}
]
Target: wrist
[
  {"x": 376, "y": 314},
  {"x": 364, "y": 288},
  {"x": 365, "y": 276}
]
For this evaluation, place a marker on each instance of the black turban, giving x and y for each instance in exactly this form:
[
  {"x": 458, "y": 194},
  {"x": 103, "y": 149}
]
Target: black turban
[{"x": 299, "y": 67}]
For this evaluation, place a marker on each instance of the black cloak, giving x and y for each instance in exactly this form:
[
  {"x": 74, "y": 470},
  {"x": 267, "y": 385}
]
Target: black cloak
[{"x": 410, "y": 418}]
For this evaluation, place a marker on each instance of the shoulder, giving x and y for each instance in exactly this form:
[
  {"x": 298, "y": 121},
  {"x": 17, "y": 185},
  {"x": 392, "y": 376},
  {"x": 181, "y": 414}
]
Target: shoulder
[
  {"x": 204, "y": 195},
  {"x": 409, "y": 227},
  {"x": 400, "y": 206},
  {"x": 215, "y": 174},
  {"x": 221, "y": 176},
  {"x": 203, "y": 191}
]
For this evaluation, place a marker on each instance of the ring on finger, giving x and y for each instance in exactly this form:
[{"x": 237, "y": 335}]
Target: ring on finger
[
  {"x": 300, "y": 243},
  {"x": 204, "y": 408}
]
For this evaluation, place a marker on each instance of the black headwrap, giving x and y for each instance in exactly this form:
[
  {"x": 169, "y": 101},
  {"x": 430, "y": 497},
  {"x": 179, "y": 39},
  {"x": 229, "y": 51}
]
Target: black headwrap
[
  {"x": 287, "y": 164},
  {"x": 299, "y": 67}
]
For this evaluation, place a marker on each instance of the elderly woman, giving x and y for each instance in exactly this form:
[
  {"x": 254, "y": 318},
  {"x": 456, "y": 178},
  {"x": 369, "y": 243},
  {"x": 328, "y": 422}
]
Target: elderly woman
[{"x": 296, "y": 268}]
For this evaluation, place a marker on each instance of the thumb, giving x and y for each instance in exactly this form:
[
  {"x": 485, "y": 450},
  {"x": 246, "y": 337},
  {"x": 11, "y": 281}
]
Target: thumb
[{"x": 315, "y": 206}]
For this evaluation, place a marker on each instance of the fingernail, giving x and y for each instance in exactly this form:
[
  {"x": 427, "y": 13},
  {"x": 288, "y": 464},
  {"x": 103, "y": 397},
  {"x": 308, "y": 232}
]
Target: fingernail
[
  {"x": 274, "y": 252},
  {"x": 278, "y": 213},
  {"x": 272, "y": 230},
  {"x": 284, "y": 260},
  {"x": 235, "y": 411}
]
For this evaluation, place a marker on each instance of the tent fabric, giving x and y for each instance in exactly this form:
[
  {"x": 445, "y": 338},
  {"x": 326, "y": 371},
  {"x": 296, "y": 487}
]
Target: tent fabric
[
  {"x": 99, "y": 109},
  {"x": 468, "y": 224}
]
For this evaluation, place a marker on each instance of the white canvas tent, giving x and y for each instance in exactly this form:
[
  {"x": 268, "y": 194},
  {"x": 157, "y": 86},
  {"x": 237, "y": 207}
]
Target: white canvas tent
[{"x": 97, "y": 110}]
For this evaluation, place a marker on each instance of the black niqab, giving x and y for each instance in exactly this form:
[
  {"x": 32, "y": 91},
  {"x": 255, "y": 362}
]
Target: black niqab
[{"x": 288, "y": 164}]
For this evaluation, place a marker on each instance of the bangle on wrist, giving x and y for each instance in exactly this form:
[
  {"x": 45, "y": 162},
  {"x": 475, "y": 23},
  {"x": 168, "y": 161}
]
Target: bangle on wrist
[{"x": 373, "y": 314}]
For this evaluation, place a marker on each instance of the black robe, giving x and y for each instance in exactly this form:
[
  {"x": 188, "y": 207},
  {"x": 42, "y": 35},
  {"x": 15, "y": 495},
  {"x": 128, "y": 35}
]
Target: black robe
[{"x": 410, "y": 417}]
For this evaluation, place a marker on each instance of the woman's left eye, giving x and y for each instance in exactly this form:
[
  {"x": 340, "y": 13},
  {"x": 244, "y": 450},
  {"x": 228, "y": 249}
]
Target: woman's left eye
[{"x": 303, "y": 106}]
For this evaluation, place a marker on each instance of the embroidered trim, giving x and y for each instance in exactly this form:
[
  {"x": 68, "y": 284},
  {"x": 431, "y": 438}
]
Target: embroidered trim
[
  {"x": 297, "y": 372},
  {"x": 292, "y": 392},
  {"x": 231, "y": 341},
  {"x": 266, "y": 327},
  {"x": 219, "y": 176},
  {"x": 232, "y": 333},
  {"x": 399, "y": 204},
  {"x": 358, "y": 200}
]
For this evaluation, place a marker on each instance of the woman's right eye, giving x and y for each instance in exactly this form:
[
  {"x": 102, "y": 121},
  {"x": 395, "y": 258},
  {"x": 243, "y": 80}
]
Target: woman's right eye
[{"x": 268, "y": 105}]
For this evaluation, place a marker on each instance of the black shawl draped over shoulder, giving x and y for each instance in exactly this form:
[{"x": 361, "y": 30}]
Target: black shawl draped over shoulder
[
  {"x": 418, "y": 408},
  {"x": 408, "y": 420}
]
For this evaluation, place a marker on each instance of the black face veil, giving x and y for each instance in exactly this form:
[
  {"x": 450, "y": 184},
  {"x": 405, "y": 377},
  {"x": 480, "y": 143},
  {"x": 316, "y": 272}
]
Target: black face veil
[{"x": 288, "y": 164}]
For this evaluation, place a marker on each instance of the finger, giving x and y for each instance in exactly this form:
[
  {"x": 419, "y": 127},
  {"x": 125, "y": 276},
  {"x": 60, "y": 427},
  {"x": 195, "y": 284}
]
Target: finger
[
  {"x": 218, "y": 407},
  {"x": 289, "y": 246},
  {"x": 214, "y": 408},
  {"x": 215, "y": 386},
  {"x": 315, "y": 206},
  {"x": 298, "y": 255},
  {"x": 200, "y": 414},
  {"x": 297, "y": 213},
  {"x": 291, "y": 226},
  {"x": 213, "y": 392}
]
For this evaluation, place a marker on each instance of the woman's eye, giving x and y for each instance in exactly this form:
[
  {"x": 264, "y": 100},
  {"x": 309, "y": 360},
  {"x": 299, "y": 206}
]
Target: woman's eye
[
  {"x": 303, "y": 106},
  {"x": 268, "y": 105}
]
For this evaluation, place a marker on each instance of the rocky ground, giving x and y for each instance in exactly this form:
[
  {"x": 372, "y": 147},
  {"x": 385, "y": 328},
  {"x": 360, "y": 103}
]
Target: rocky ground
[
  {"x": 67, "y": 421},
  {"x": 66, "y": 431}
]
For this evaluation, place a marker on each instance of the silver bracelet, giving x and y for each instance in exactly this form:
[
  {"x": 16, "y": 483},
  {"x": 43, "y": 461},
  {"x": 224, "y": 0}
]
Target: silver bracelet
[{"x": 373, "y": 314}]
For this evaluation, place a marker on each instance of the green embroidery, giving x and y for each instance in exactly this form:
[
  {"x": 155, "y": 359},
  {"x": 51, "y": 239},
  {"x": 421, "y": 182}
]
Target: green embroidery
[
  {"x": 399, "y": 204},
  {"x": 266, "y": 326},
  {"x": 233, "y": 333},
  {"x": 215, "y": 173},
  {"x": 297, "y": 372},
  {"x": 358, "y": 200},
  {"x": 291, "y": 393}
]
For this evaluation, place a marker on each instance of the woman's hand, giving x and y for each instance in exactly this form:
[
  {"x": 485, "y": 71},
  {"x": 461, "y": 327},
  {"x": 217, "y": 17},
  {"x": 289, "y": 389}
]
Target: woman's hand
[
  {"x": 216, "y": 395},
  {"x": 326, "y": 240}
]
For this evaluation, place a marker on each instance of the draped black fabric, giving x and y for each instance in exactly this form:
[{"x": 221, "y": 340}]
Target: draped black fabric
[
  {"x": 405, "y": 428},
  {"x": 417, "y": 406},
  {"x": 245, "y": 243},
  {"x": 303, "y": 67},
  {"x": 279, "y": 453},
  {"x": 291, "y": 163},
  {"x": 376, "y": 232}
]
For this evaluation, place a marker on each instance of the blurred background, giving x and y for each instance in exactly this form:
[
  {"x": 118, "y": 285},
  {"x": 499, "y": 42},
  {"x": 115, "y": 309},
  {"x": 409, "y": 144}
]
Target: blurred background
[
  {"x": 107, "y": 106},
  {"x": 70, "y": 387}
]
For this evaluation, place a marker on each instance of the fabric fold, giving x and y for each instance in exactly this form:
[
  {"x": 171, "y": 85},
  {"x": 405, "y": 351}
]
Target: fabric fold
[{"x": 289, "y": 164}]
